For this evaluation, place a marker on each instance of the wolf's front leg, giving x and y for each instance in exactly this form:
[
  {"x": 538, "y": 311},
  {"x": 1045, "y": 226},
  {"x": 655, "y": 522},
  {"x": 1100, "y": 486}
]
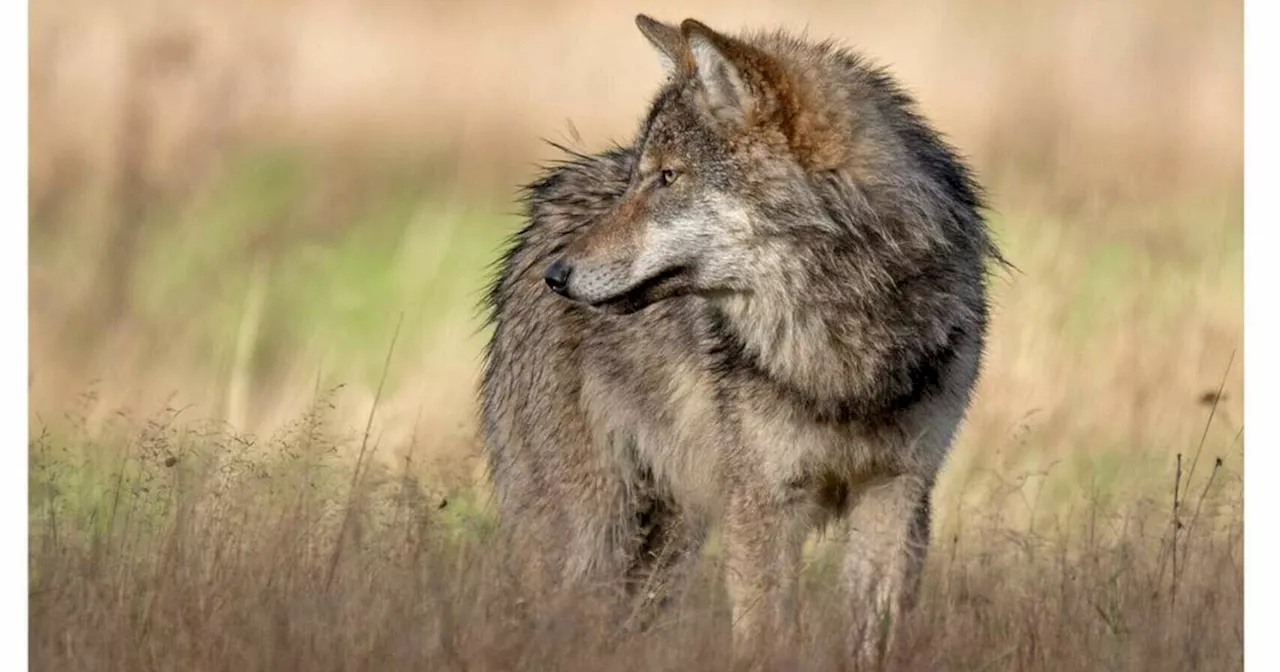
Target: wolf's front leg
[
  {"x": 764, "y": 536},
  {"x": 888, "y": 535},
  {"x": 661, "y": 558}
]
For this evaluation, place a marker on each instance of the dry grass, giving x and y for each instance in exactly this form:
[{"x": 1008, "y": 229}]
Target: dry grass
[{"x": 198, "y": 549}]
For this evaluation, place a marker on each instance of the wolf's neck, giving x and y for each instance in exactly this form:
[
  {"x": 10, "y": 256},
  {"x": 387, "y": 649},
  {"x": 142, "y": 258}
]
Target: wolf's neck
[{"x": 809, "y": 348}]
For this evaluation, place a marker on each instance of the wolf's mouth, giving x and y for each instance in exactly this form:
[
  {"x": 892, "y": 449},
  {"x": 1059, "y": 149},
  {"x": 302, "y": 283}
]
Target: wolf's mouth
[{"x": 667, "y": 284}]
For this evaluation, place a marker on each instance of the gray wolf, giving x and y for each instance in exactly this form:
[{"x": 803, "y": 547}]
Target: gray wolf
[{"x": 767, "y": 312}]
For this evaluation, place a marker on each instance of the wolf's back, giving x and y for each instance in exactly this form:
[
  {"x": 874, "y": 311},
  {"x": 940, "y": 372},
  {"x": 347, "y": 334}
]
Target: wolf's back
[{"x": 530, "y": 367}]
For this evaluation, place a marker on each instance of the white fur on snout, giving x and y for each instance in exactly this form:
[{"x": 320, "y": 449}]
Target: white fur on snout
[
  {"x": 666, "y": 246},
  {"x": 698, "y": 239},
  {"x": 692, "y": 240}
]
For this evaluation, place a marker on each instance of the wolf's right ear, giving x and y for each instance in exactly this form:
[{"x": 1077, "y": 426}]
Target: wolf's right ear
[
  {"x": 669, "y": 42},
  {"x": 732, "y": 89}
]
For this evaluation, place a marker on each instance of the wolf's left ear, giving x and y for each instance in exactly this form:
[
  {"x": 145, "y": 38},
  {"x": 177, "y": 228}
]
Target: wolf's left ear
[
  {"x": 733, "y": 90},
  {"x": 667, "y": 39}
]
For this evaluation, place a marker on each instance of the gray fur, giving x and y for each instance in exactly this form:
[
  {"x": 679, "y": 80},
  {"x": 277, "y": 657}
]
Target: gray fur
[{"x": 782, "y": 331}]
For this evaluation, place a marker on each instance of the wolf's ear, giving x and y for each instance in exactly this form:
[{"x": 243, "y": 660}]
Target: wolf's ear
[
  {"x": 667, "y": 39},
  {"x": 721, "y": 65}
]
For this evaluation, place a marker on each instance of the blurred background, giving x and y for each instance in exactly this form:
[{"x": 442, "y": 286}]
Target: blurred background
[{"x": 234, "y": 203}]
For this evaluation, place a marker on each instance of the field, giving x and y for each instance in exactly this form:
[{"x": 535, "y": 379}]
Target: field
[{"x": 260, "y": 232}]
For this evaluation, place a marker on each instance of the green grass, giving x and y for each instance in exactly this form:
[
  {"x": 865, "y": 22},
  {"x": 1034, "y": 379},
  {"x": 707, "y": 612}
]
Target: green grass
[
  {"x": 289, "y": 271},
  {"x": 334, "y": 273}
]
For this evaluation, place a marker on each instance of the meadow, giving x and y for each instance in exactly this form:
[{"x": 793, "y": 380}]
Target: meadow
[{"x": 260, "y": 233}]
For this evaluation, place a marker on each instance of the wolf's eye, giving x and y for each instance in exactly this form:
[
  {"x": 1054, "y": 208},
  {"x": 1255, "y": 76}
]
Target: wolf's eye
[{"x": 669, "y": 177}]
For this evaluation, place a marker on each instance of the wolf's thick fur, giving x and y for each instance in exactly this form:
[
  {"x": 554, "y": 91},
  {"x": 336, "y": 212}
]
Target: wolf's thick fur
[{"x": 769, "y": 312}]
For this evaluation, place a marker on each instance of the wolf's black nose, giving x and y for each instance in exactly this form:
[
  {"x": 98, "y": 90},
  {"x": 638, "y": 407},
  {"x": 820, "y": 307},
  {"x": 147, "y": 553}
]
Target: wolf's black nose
[{"x": 557, "y": 276}]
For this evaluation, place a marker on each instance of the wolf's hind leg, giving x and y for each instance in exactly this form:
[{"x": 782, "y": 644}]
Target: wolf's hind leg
[{"x": 564, "y": 506}]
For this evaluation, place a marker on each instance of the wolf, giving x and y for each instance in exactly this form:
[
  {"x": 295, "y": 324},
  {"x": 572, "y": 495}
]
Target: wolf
[{"x": 767, "y": 313}]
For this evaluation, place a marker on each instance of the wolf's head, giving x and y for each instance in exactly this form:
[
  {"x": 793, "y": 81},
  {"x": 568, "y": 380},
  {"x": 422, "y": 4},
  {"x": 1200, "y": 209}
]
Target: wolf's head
[{"x": 723, "y": 155}]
